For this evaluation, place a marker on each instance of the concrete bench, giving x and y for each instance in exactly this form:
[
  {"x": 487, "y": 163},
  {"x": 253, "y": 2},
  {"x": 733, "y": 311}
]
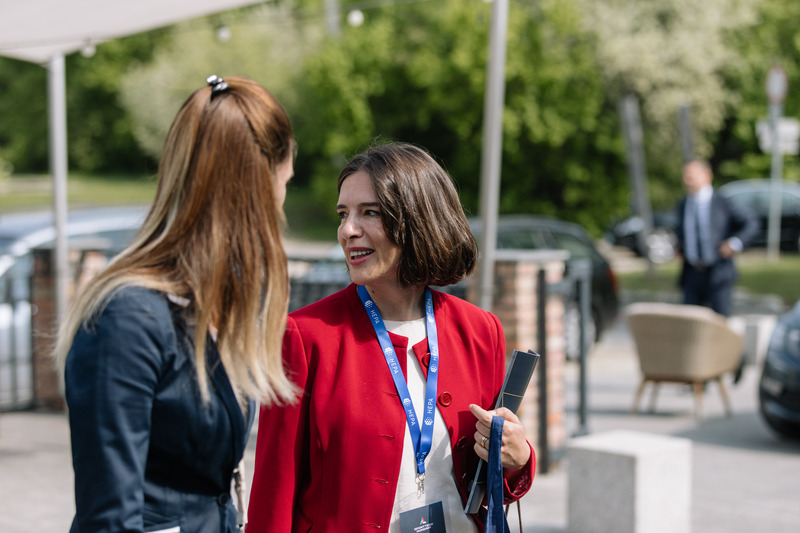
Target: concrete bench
[{"x": 629, "y": 482}]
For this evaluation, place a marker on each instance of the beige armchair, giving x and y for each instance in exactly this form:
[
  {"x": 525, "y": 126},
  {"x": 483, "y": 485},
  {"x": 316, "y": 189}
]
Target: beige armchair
[{"x": 683, "y": 344}]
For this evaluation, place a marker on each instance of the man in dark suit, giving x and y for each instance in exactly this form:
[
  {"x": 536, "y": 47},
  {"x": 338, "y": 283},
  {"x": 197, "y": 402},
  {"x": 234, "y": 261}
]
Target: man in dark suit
[{"x": 710, "y": 231}]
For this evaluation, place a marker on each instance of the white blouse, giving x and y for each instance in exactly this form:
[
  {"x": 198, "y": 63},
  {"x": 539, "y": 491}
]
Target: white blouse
[{"x": 440, "y": 483}]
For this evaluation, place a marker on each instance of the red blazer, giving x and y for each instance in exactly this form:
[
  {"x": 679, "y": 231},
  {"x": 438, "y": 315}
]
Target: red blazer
[{"x": 331, "y": 461}]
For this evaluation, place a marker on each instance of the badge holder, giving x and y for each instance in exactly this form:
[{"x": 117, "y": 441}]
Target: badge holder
[{"x": 428, "y": 519}]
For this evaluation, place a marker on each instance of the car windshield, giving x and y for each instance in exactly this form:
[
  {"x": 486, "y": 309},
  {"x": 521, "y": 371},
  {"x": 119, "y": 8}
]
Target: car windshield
[
  {"x": 103, "y": 228},
  {"x": 577, "y": 248},
  {"x": 5, "y": 242},
  {"x": 758, "y": 201},
  {"x": 13, "y": 226},
  {"x": 521, "y": 239}
]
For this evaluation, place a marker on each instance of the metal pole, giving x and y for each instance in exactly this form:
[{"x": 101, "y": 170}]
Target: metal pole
[
  {"x": 776, "y": 175},
  {"x": 491, "y": 158},
  {"x": 57, "y": 105},
  {"x": 583, "y": 270},
  {"x": 543, "y": 455},
  {"x": 333, "y": 17},
  {"x": 634, "y": 142},
  {"x": 14, "y": 355}
]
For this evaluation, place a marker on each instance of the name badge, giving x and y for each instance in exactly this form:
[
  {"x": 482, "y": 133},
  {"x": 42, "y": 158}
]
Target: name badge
[{"x": 428, "y": 519}]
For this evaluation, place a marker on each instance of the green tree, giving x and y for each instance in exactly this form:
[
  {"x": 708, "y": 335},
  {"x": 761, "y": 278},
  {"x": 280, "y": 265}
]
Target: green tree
[
  {"x": 23, "y": 115},
  {"x": 98, "y": 128},
  {"x": 417, "y": 73},
  {"x": 670, "y": 54},
  {"x": 771, "y": 39},
  {"x": 266, "y": 44}
]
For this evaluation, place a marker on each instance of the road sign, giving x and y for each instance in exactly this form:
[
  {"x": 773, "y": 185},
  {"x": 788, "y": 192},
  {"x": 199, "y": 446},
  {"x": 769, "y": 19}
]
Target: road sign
[
  {"x": 777, "y": 85},
  {"x": 788, "y": 135}
]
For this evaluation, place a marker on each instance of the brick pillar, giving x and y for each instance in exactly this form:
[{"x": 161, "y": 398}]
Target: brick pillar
[
  {"x": 83, "y": 265},
  {"x": 515, "y": 304},
  {"x": 46, "y": 378}
]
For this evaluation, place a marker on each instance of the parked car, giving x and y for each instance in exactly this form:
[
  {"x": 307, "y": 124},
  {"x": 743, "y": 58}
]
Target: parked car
[
  {"x": 779, "y": 387},
  {"x": 754, "y": 196},
  {"x": 658, "y": 247},
  {"x": 108, "y": 229},
  {"x": 529, "y": 232}
]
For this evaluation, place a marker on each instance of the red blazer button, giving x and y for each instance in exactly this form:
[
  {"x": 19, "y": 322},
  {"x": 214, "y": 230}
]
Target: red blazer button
[
  {"x": 426, "y": 360},
  {"x": 445, "y": 399},
  {"x": 462, "y": 443}
]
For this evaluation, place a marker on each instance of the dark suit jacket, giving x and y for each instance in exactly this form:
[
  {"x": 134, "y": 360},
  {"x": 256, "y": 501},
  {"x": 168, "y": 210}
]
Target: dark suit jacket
[
  {"x": 331, "y": 462},
  {"x": 148, "y": 453},
  {"x": 727, "y": 220}
]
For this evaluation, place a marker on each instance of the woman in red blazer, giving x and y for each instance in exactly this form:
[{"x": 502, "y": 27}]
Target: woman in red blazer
[{"x": 394, "y": 378}]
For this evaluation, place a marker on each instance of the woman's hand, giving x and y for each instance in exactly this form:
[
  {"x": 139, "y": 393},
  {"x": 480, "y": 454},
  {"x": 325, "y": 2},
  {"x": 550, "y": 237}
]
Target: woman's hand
[{"x": 515, "y": 452}]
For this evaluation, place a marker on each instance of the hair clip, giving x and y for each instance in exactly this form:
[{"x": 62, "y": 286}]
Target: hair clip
[{"x": 218, "y": 85}]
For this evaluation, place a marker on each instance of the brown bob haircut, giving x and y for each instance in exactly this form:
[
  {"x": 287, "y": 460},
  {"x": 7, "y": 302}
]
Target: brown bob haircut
[{"x": 421, "y": 213}]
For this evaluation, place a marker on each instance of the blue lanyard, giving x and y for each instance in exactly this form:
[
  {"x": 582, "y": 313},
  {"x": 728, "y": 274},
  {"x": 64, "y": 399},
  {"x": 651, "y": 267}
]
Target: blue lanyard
[
  {"x": 495, "y": 517},
  {"x": 422, "y": 439}
]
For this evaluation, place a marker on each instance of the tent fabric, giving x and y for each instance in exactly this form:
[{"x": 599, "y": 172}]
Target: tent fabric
[{"x": 38, "y": 30}]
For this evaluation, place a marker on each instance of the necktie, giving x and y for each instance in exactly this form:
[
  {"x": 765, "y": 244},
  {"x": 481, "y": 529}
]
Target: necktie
[{"x": 698, "y": 234}]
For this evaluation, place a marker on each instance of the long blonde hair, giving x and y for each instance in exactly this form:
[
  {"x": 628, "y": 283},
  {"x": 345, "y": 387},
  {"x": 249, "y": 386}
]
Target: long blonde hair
[{"x": 213, "y": 235}]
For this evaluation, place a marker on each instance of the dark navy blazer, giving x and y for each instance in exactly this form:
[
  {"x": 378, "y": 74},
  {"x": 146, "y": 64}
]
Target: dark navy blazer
[
  {"x": 148, "y": 453},
  {"x": 727, "y": 220}
]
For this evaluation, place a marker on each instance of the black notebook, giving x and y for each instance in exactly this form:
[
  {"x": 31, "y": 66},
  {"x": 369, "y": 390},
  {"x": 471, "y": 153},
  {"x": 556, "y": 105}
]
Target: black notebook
[{"x": 518, "y": 375}]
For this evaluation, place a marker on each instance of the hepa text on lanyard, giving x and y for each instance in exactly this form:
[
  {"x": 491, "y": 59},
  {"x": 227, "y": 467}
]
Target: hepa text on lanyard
[{"x": 422, "y": 439}]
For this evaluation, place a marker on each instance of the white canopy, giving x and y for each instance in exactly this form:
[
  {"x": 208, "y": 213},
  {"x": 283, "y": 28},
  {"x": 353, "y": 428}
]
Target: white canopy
[{"x": 39, "y": 30}]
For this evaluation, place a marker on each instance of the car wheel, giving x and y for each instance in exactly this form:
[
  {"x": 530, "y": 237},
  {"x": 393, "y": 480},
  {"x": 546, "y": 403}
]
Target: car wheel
[
  {"x": 661, "y": 245},
  {"x": 572, "y": 331},
  {"x": 783, "y": 428},
  {"x": 787, "y": 431}
]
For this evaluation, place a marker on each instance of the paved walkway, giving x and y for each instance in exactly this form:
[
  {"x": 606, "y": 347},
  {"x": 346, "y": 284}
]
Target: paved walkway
[{"x": 745, "y": 479}]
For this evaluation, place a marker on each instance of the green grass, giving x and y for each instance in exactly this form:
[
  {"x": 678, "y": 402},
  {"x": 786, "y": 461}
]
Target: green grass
[
  {"x": 307, "y": 220},
  {"x": 757, "y": 275},
  {"x": 24, "y": 192}
]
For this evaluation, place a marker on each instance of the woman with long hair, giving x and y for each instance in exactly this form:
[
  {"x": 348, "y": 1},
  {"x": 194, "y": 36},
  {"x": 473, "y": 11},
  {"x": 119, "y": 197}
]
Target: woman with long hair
[{"x": 167, "y": 350}]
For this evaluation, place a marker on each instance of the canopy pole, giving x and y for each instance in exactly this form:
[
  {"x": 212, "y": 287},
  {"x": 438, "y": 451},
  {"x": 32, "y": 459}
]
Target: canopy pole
[
  {"x": 491, "y": 158},
  {"x": 57, "y": 106}
]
